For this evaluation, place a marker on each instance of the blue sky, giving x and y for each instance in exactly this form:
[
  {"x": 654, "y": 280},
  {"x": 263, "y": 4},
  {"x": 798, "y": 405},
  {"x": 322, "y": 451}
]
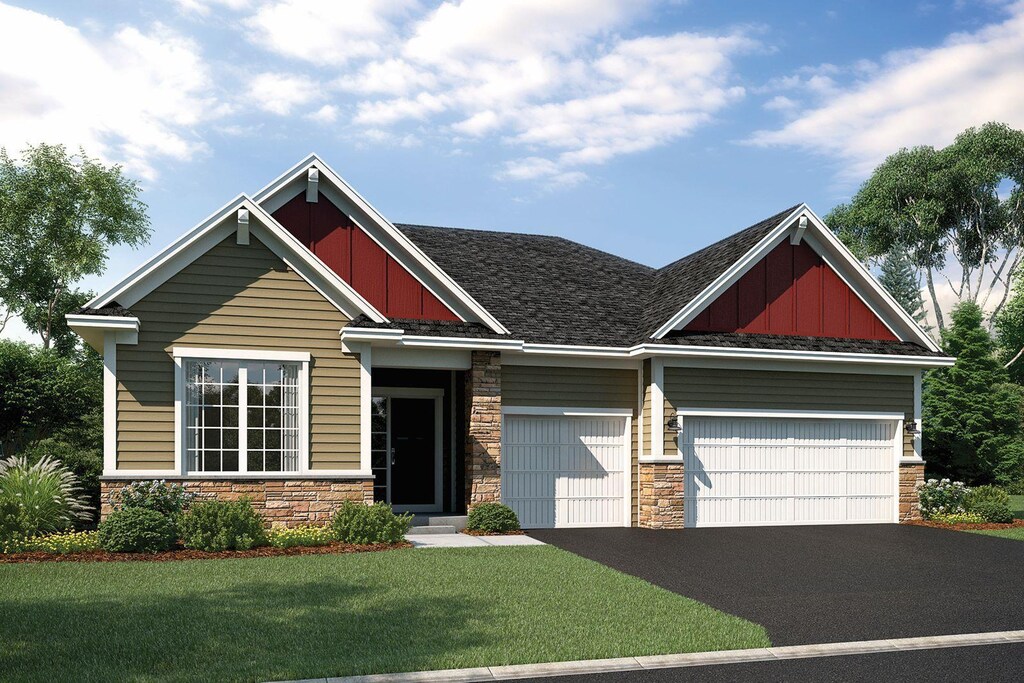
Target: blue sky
[{"x": 646, "y": 129}]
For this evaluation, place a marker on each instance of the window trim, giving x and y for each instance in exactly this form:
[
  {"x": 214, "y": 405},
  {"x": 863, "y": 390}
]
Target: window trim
[{"x": 301, "y": 358}]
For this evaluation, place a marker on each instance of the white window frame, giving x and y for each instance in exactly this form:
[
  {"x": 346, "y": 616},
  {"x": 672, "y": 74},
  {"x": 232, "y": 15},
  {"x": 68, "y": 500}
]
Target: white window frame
[{"x": 301, "y": 358}]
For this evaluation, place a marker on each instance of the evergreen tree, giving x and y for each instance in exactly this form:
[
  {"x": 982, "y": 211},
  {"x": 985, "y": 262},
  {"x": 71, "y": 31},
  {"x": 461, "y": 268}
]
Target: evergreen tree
[
  {"x": 902, "y": 281},
  {"x": 972, "y": 412}
]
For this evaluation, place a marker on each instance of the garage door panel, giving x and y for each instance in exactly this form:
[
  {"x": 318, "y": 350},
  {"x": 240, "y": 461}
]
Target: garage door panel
[
  {"x": 788, "y": 470},
  {"x": 565, "y": 471}
]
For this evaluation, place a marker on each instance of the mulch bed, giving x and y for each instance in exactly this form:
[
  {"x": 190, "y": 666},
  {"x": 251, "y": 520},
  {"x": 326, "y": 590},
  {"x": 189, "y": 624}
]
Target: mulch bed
[
  {"x": 185, "y": 554},
  {"x": 986, "y": 526},
  {"x": 493, "y": 533}
]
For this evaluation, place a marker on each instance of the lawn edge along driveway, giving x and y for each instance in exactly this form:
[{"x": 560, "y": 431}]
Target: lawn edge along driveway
[{"x": 333, "y": 615}]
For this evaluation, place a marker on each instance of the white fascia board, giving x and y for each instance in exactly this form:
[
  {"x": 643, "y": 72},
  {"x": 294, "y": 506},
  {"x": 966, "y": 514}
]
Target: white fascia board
[
  {"x": 215, "y": 229},
  {"x": 818, "y": 234},
  {"x": 103, "y": 322},
  {"x": 166, "y": 258},
  {"x": 810, "y": 356},
  {"x": 731, "y": 274},
  {"x": 869, "y": 280},
  {"x": 363, "y": 334},
  {"x": 461, "y": 343},
  {"x": 413, "y": 251}
]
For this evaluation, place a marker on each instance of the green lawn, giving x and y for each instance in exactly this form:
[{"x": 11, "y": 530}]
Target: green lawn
[
  {"x": 331, "y": 615},
  {"x": 1016, "y": 533}
]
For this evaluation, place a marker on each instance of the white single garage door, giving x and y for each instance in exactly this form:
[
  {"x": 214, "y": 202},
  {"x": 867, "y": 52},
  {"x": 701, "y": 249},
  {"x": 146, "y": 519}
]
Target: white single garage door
[
  {"x": 759, "y": 471},
  {"x": 566, "y": 471}
]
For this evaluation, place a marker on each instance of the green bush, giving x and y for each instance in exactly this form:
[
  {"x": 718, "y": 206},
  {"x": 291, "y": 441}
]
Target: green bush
[
  {"x": 1015, "y": 488},
  {"x": 216, "y": 525},
  {"x": 986, "y": 494},
  {"x": 492, "y": 518},
  {"x": 958, "y": 518},
  {"x": 38, "y": 498},
  {"x": 83, "y": 460},
  {"x": 136, "y": 530},
  {"x": 167, "y": 499},
  {"x": 941, "y": 497},
  {"x": 361, "y": 524},
  {"x": 71, "y": 542},
  {"x": 305, "y": 535},
  {"x": 991, "y": 511}
]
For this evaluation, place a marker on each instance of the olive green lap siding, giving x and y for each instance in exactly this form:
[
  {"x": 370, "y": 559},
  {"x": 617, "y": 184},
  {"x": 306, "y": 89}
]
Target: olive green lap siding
[
  {"x": 551, "y": 387},
  {"x": 235, "y": 297},
  {"x": 771, "y": 390}
]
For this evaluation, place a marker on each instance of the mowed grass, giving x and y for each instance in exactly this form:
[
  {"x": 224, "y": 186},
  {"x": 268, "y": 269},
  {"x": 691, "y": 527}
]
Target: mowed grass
[
  {"x": 1016, "y": 533},
  {"x": 333, "y": 615}
]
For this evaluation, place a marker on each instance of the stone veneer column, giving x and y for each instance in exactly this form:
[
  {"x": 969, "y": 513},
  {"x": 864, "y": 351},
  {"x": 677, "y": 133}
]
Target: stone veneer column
[
  {"x": 483, "y": 429},
  {"x": 282, "y": 502},
  {"x": 660, "y": 504},
  {"x": 910, "y": 476}
]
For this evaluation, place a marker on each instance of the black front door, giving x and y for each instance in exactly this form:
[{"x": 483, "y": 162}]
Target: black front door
[{"x": 413, "y": 452}]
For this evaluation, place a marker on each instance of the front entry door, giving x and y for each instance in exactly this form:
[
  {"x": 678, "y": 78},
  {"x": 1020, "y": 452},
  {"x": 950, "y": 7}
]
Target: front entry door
[{"x": 408, "y": 471}]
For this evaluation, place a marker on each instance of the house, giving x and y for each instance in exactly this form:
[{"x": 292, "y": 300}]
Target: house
[{"x": 299, "y": 348}]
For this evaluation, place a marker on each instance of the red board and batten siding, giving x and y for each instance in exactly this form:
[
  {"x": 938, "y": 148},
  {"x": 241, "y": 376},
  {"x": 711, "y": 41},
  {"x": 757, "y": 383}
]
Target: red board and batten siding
[
  {"x": 330, "y": 234},
  {"x": 791, "y": 291}
]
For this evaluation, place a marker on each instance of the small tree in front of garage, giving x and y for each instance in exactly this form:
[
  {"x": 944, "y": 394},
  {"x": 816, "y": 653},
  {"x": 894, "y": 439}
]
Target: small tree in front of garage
[{"x": 971, "y": 411}]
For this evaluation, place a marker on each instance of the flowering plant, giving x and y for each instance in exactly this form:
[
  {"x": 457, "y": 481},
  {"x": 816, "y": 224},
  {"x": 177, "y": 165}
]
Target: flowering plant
[
  {"x": 942, "y": 497},
  {"x": 167, "y": 499}
]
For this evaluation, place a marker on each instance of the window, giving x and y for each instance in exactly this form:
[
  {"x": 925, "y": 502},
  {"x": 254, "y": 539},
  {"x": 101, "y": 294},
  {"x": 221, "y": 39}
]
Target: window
[{"x": 243, "y": 415}]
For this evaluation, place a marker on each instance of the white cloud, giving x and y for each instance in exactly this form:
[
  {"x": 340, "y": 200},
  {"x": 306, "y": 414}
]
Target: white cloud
[
  {"x": 326, "y": 31},
  {"x": 134, "y": 96},
  {"x": 325, "y": 114},
  {"x": 203, "y": 8},
  {"x": 280, "y": 93},
  {"x": 913, "y": 97}
]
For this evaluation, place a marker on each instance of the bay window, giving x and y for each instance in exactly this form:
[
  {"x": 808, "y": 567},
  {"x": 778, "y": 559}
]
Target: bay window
[{"x": 243, "y": 414}]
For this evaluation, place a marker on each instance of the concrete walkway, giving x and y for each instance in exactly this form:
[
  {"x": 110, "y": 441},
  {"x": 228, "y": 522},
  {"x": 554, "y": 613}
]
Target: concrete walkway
[{"x": 467, "y": 541}]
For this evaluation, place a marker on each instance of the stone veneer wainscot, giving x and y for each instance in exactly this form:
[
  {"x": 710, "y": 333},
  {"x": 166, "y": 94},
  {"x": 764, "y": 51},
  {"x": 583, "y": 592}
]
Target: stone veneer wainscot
[
  {"x": 282, "y": 502},
  {"x": 483, "y": 429}
]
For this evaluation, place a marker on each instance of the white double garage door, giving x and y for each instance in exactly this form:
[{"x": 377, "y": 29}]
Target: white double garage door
[{"x": 574, "y": 470}]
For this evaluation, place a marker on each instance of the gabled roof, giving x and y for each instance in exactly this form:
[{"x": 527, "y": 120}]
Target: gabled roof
[
  {"x": 679, "y": 282},
  {"x": 212, "y": 231}
]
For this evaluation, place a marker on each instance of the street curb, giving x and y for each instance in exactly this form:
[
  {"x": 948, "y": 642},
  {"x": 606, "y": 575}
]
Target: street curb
[{"x": 688, "y": 659}]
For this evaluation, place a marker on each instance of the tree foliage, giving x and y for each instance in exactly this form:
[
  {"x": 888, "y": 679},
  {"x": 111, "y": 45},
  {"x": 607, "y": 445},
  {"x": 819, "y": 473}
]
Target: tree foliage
[
  {"x": 971, "y": 411},
  {"x": 59, "y": 215},
  {"x": 902, "y": 281},
  {"x": 965, "y": 201}
]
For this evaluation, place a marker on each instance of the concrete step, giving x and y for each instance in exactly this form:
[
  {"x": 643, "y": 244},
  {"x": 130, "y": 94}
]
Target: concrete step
[
  {"x": 432, "y": 529},
  {"x": 457, "y": 521}
]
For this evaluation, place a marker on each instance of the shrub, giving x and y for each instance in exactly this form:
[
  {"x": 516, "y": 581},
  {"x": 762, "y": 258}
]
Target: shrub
[
  {"x": 37, "y": 499},
  {"x": 941, "y": 496},
  {"x": 1015, "y": 488},
  {"x": 167, "y": 499},
  {"x": 83, "y": 460},
  {"x": 136, "y": 530},
  {"x": 216, "y": 525},
  {"x": 958, "y": 518},
  {"x": 305, "y": 535},
  {"x": 986, "y": 494},
  {"x": 361, "y": 524},
  {"x": 71, "y": 542},
  {"x": 492, "y": 518},
  {"x": 991, "y": 511}
]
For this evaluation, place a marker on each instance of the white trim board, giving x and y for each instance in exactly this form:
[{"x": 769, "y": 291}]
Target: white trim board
[
  {"x": 397, "y": 337},
  {"x": 788, "y": 414},
  {"x": 836, "y": 255},
  {"x": 566, "y": 412},
  {"x": 219, "y": 227},
  {"x": 390, "y": 238}
]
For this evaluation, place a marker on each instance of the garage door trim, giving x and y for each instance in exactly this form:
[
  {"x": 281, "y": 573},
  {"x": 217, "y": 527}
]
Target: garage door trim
[
  {"x": 897, "y": 418},
  {"x": 627, "y": 439}
]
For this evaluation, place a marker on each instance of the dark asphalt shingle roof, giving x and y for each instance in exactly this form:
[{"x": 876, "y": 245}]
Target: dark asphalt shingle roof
[
  {"x": 551, "y": 290},
  {"x": 543, "y": 289},
  {"x": 111, "y": 309}
]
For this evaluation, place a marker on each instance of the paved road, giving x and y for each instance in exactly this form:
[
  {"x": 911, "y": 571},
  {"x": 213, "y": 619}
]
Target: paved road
[
  {"x": 991, "y": 664},
  {"x": 826, "y": 583}
]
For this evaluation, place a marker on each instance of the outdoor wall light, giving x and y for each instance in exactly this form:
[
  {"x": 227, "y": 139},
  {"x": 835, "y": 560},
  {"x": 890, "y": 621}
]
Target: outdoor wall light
[
  {"x": 675, "y": 424},
  {"x": 910, "y": 426}
]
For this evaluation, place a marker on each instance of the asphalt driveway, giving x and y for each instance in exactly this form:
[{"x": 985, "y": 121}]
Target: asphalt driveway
[{"x": 826, "y": 583}]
